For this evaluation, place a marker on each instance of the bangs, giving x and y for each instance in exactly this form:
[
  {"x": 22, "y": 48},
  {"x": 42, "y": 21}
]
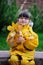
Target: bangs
[{"x": 23, "y": 15}]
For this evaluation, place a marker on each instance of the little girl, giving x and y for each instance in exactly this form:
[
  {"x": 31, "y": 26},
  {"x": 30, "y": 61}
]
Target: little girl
[{"x": 23, "y": 41}]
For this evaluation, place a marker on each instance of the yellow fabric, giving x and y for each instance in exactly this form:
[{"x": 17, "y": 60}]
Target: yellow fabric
[
  {"x": 27, "y": 32},
  {"x": 25, "y": 57},
  {"x": 31, "y": 42},
  {"x": 27, "y": 54}
]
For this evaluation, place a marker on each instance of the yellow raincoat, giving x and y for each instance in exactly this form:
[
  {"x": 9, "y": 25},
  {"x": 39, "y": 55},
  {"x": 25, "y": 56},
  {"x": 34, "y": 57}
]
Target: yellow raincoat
[{"x": 22, "y": 53}]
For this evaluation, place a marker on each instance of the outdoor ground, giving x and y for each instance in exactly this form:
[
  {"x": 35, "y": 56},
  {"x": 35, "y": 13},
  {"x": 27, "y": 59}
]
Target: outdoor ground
[{"x": 4, "y": 45}]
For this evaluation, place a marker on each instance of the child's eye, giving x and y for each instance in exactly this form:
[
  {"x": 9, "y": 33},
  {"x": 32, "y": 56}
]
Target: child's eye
[{"x": 26, "y": 18}]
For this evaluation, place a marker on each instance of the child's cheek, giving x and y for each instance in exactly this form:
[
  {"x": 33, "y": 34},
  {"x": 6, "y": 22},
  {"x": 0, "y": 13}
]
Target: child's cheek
[
  {"x": 20, "y": 20},
  {"x": 27, "y": 21}
]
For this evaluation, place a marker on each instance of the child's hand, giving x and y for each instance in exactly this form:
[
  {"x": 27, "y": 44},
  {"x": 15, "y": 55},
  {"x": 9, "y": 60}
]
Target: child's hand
[{"x": 20, "y": 39}]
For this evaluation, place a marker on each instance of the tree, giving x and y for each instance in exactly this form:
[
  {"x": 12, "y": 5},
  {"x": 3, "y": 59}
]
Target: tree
[
  {"x": 8, "y": 9},
  {"x": 34, "y": 11},
  {"x": 37, "y": 17}
]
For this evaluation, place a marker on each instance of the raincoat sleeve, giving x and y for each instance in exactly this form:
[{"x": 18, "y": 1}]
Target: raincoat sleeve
[
  {"x": 32, "y": 41},
  {"x": 12, "y": 33}
]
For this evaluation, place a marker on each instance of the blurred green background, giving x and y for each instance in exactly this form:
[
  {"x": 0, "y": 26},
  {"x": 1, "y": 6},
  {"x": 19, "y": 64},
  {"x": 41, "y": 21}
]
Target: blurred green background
[{"x": 8, "y": 13}]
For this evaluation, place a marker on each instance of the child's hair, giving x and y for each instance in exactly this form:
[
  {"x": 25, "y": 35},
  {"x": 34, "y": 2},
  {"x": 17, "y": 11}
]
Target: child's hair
[{"x": 24, "y": 14}]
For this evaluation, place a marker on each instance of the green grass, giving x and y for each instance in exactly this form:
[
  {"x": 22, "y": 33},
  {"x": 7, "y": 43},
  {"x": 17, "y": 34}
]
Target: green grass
[
  {"x": 40, "y": 47},
  {"x": 4, "y": 45}
]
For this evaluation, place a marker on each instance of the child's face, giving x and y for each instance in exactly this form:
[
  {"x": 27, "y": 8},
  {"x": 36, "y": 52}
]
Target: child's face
[{"x": 23, "y": 20}]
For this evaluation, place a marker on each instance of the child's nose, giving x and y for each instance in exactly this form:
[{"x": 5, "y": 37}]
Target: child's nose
[{"x": 23, "y": 19}]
